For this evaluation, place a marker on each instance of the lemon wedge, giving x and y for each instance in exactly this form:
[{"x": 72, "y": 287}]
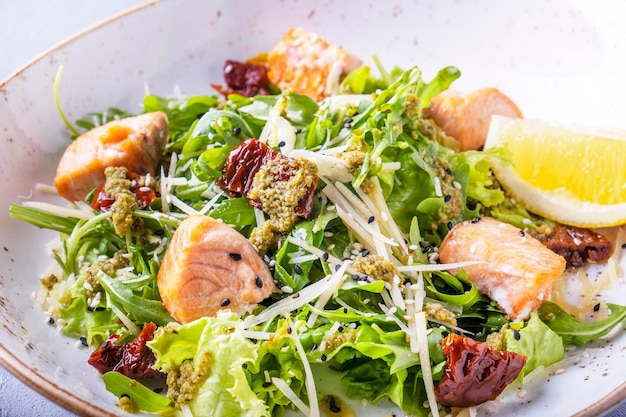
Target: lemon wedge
[{"x": 572, "y": 175}]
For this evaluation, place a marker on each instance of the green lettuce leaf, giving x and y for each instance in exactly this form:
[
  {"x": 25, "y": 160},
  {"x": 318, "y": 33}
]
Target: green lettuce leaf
[
  {"x": 218, "y": 345},
  {"x": 537, "y": 342}
]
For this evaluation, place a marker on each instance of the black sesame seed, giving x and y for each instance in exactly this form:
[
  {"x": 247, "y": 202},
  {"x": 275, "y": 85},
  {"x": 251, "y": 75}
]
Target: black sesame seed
[
  {"x": 236, "y": 131},
  {"x": 425, "y": 249},
  {"x": 323, "y": 357},
  {"x": 450, "y": 225},
  {"x": 267, "y": 384},
  {"x": 83, "y": 341},
  {"x": 51, "y": 320},
  {"x": 332, "y": 405},
  {"x": 340, "y": 329},
  {"x": 296, "y": 295},
  {"x": 90, "y": 308},
  {"x": 365, "y": 252},
  {"x": 521, "y": 233},
  {"x": 158, "y": 390},
  {"x": 475, "y": 220},
  {"x": 298, "y": 131},
  {"x": 100, "y": 308},
  {"x": 258, "y": 281},
  {"x": 516, "y": 334},
  {"x": 596, "y": 307},
  {"x": 337, "y": 267},
  {"x": 289, "y": 330},
  {"x": 225, "y": 302},
  {"x": 355, "y": 277},
  {"x": 349, "y": 120},
  {"x": 325, "y": 256},
  {"x": 281, "y": 143},
  {"x": 371, "y": 219},
  {"x": 159, "y": 232},
  {"x": 235, "y": 256},
  {"x": 448, "y": 171},
  {"x": 423, "y": 244},
  {"x": 447, "y": 198},
  {"x": 297, "y": 269},
  {"x": 279, "y": 284}
]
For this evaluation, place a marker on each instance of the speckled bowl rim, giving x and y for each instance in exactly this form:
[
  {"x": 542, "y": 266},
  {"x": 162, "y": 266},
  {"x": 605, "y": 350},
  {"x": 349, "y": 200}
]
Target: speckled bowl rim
[{"x": 8, "y": 360}]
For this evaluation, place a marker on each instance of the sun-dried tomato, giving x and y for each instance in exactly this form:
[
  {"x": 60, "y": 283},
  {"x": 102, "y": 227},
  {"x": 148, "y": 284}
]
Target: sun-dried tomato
[
  {"x": 245, "y": 78},
  {"x": 143, "y": 194},
  {"x": 133, "y": 359},
  {"x": 474, "y": 372},
  {"x": 245, "y": 160}
]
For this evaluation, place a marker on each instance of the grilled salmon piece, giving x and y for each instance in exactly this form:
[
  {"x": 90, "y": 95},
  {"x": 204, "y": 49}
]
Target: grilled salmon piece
[
  {"x": 518, "y": 271},
  {"x": 308, "y": 64},
  {"x": 209, "y": 266},
  {"x": 135, "y": 143},
  {"x": 466, "y": 117}
]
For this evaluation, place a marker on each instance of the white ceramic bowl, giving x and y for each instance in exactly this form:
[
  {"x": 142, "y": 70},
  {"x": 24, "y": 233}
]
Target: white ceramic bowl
[{"x": 560, "y": 60}]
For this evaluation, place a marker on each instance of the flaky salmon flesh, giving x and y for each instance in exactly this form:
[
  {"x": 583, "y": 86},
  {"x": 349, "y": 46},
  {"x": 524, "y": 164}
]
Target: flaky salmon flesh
[
  {"x": 514, "y": 269},
  {"x": 467, "y": 116},
  {"x": 308, "y": 64},
  {"x": 209, "y": 266},
  {"x": 136, "y": 143}
]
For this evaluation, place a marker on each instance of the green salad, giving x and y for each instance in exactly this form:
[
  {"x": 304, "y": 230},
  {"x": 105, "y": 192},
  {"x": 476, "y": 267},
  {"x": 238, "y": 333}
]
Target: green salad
[{"x": 359, "y": 288}]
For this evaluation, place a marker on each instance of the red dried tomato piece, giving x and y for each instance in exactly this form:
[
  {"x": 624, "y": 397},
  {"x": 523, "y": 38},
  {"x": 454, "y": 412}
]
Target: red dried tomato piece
[
  {"x": 133, "y": 359},
  {"x": 475, "y": 373},
  {"x": 245, "y": 79},
  {"x": 144, "y": 195},
  {"x": 245, "y": 160}
]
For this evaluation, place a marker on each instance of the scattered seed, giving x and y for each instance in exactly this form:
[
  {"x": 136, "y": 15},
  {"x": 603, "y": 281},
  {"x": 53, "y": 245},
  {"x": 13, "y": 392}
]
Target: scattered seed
[
  {"x": 225, "y": 302},
  {"x": 235, "y": 256},
  {"x": 258, "y": 281}
]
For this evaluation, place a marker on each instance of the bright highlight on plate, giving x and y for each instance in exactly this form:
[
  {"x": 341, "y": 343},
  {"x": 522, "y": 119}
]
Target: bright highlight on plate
[{"x": 572, "y": 175}]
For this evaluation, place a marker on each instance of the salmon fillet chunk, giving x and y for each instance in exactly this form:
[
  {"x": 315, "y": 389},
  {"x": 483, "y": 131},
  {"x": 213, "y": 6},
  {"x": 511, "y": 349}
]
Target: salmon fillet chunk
[
  {"x": 467, "y": 116},
  {"x": 209, "y": 266},
  {"x": 515, "y": 269},
  {"x": 308, "y": 64},
  {"x": 135, "y": 143}
]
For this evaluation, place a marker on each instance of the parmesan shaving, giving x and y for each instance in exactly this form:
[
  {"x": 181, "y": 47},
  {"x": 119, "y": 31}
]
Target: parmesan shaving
[
  {"x": 288, "y": 392},
  {"x": 334, "y": 283},
  {"x": 437, "y": 267},
  {"x": 76, "y": 213},
  {"x": 419, "y": 323}
]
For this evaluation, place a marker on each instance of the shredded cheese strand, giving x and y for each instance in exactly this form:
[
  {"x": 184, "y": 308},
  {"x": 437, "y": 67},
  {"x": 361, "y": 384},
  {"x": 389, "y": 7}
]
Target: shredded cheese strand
[{"x": 419, "y": 321}]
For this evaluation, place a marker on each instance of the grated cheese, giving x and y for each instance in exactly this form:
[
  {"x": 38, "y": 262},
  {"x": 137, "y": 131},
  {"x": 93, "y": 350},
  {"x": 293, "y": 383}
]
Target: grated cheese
[
  {"x": 419, "y": 323},
  {"x": 288, "y": 392}
]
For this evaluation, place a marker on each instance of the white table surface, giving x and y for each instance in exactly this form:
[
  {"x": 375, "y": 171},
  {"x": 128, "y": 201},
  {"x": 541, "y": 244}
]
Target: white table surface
[{"x": 28, "y": 28}]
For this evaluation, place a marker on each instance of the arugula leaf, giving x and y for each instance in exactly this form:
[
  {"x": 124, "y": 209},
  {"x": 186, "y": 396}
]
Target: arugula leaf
[
  {"x": 146, "y": 399},
  {"x": 575, "y": 332},
  {"x": 142, "y": 309}
]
